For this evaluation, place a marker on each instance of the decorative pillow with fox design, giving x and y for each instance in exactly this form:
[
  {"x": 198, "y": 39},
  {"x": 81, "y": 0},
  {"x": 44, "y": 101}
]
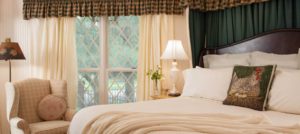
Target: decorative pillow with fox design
[{"x": 250, "y": 86}]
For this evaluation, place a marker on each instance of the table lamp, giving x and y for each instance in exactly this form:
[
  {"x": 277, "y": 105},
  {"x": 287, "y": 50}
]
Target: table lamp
[
  {"x": 174, "y": 51},
  {"x": 10, "y": 51}
]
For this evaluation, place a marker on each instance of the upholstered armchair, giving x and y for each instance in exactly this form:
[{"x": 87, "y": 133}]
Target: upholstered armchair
[{"x": 23, "y": 98}]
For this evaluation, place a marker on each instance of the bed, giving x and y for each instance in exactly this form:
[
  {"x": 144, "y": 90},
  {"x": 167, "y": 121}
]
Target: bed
[{"x": 284, "y": 41}]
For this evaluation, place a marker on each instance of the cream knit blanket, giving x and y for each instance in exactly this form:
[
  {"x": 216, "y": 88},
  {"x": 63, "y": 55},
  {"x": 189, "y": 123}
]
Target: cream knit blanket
[{"x": 171, "y": 123}]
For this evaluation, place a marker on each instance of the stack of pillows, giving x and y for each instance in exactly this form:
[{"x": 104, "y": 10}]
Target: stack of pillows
[{"x": 257, "y": 80}]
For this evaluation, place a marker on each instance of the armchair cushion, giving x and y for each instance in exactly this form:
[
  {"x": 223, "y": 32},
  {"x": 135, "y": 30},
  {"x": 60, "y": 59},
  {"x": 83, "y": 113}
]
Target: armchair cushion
[
  {"x": 52, "y": 108},
  {"x": 59, "y": 88},
  {"x": 50, "y": 127}
]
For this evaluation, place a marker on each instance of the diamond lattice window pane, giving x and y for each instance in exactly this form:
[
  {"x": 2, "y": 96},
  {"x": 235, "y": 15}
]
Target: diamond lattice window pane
[
  {"x": 123, "y": 41},
  {"x": 88, "y": 85},
  {"x": 122, "y": 87},
  {"x": 88, "y": 56},
  {"x": 122, "y": 53},
  {"x": 88, "y": 42}
]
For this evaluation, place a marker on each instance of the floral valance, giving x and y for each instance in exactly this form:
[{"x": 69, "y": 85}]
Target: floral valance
[
  {"x": 72, "y": 8},
  {"x": 213, "y": 5}
]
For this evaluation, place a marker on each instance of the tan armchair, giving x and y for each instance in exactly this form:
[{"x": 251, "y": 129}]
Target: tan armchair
[{"x": 22, "y": 101}]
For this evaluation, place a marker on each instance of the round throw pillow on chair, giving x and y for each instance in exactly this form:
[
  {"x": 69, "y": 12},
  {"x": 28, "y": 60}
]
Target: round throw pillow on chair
[{"x": 52, "y": 108}]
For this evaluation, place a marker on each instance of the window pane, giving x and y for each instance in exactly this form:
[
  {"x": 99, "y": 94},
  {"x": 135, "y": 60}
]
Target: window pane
[
  {"x": 122, "y": 45},
  {"x": 122, "y": 87},
  {"x": 122, "y": 53},
  {"x": 88, "y": 93},
  {"x": 123, "y": 41},
  {"x": 88, "y": 42},
  {"x": 88, "y": 56}
]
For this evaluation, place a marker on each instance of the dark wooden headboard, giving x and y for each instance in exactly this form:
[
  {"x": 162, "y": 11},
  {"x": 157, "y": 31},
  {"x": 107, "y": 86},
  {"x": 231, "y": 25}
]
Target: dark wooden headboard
[{"x": 282, "y": 41}]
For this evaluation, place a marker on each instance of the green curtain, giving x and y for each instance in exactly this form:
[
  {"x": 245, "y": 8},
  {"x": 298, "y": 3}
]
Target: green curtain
[
  {"x": 230, "y": 25},
  {"x": 197, "y": 34}
]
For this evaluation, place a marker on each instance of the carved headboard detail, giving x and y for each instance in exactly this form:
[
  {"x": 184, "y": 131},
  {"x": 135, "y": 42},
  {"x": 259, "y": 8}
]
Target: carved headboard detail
[{"x": 282, "y": 41}]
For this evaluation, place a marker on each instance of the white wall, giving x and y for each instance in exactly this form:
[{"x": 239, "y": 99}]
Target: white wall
[{"x": 12, "y": 25}]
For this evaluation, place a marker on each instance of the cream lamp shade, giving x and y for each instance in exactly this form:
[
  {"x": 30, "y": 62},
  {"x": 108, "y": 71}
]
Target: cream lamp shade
[{"x": 174, "y": 51}]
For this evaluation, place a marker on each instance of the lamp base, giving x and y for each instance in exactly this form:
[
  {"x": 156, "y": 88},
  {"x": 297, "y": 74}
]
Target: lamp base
[
  {"x": 173, "y": 75},
  {"x": 174, "y": 94}
]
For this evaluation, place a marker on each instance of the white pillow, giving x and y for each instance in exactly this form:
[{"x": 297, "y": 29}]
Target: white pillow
[
  {"x": 285, "y": 92},
  {"x": 289, "y": 61},
  {"x": 207, "y": 83},
  {"x": 226, "y": 60}
]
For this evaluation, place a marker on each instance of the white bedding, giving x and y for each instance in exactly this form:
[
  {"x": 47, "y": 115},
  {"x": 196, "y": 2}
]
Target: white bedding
[{"x": 187, "y": 105}]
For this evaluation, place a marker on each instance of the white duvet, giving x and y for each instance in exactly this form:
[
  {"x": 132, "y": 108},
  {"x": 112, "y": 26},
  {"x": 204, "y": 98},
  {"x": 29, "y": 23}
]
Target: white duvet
[{"x": 185, "y": 105}]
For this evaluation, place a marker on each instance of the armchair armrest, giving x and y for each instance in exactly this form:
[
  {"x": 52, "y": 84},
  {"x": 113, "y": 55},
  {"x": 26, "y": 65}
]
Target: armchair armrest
[
  {"x": 19, "y": 126},
  {"x": 69, "y": 114}
]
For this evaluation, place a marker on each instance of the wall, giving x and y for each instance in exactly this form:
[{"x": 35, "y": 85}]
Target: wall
[{"x": 12, "y": 25}]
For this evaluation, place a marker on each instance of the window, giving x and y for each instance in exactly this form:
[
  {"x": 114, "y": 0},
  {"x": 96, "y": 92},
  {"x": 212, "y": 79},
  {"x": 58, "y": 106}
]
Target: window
[{"x": 107, "y": 51}]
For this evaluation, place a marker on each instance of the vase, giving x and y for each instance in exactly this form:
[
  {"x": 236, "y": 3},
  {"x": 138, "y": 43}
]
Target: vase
[{"x": 155, "y": 88}]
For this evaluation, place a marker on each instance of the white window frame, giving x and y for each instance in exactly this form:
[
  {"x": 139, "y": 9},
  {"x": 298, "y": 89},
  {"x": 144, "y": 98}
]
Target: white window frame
[{"x": 103, "y": 70}]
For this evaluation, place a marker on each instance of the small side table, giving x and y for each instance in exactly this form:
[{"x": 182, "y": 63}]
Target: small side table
[
  {"x": 163, "y": 95},
  {"x": 156, "y": 97}
]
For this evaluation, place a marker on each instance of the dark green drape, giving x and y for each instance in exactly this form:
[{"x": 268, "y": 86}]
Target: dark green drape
[
  {"x": 197, "y": 33},
  {"x": 230, "y": 25}
]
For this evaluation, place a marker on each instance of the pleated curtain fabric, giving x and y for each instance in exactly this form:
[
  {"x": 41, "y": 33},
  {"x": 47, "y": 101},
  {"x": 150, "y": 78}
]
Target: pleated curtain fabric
[
  {"x": 197, "y": 34},
  {"x": 231, "y": 25},
  {"x": 53, "y": 52},
  {"x": 72, "y": 8},
  {"x": 214, "y": 5},
  {"x": 155, "y": 30},
  {"x": 220, "y": 28}
]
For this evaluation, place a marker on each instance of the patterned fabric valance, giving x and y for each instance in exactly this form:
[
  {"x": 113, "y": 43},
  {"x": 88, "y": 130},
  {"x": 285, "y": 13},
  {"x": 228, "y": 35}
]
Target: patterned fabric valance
[
  {"x": 212, "y": 5},
  {"x": 72, "y": 8}
]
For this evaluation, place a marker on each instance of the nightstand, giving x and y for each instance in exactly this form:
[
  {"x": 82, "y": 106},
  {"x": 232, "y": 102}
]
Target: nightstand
[{"x": 164, "y": 95}]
